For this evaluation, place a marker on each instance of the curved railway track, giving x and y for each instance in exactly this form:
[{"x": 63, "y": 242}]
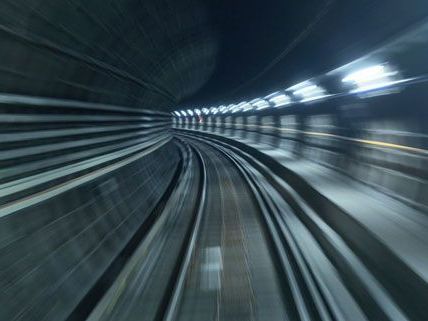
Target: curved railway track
[
  {"x": 331, "y": 270},
  {"x": 225, "y": 268},
  {"x": 231, "y": 237},
  {"x": 257, "y": 250}
]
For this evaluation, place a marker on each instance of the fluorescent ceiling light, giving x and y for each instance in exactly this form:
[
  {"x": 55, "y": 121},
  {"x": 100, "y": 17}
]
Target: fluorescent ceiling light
[
  {"x": 222, "y": 109},
  {"x": 214, "y": 110},
  {"x": 246, "y": 106},
  {"x": 238, "y": 107},
  {"x": 370, "y": 78},
  {"x": 279, "y": 99},
  {"x": 183, "y": 113},
  {"x": 233, "y": 108},
  {"x": 190, "y": 112},
  {"x": 177, "y": 113},
  {"x": 230, "y": 107},
  {"x": 259, "y": 103},
  {"x": 308, "y": 91}
]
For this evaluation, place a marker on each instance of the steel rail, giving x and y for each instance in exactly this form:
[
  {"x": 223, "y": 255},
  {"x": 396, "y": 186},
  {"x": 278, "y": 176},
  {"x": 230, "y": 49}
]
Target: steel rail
[{"x": 174, "y": 303}]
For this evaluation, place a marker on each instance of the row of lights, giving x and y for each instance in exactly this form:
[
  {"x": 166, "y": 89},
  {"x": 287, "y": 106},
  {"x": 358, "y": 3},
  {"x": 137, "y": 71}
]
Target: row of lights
[{"x": 363, "y": 80}]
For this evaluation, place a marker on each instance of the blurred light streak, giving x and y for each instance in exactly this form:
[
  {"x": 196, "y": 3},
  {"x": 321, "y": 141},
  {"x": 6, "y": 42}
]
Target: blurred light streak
[
  {"x": 278, "y": 99},
  {"x": 308, "y": 91},
  {"x": 372, "y": 78},
  {"x": 259, "y": 103}
]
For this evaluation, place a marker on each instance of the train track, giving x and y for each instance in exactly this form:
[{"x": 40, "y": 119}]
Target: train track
[
  {"x": 234, "y": 239},
  {"x": 152, "y": 274},
  {"x": 225, "y": 268},
  {"x": 332, "y": 270}
]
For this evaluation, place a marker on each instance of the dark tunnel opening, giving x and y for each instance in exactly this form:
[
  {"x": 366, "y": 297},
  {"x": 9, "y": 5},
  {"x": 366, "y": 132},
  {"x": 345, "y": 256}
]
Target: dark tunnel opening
[{"x": 213, "y": 160}]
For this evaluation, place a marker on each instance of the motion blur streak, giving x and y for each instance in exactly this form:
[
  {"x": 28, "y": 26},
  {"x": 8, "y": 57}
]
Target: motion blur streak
[{"x": 196, "y": 160}]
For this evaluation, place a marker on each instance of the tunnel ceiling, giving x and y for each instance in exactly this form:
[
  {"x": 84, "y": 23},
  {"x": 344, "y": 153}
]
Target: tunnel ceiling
[{"x": 158, "y": 54}]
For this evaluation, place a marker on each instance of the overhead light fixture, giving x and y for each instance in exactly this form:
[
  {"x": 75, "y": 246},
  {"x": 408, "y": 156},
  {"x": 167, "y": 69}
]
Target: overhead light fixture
[
  {"x": 370, "y": 78},
  {"x": 278, "y": 99},
  {"x": 308, "y": 91},
  {"x": 190, "y": 112},
  {"x": 243, "y": 106},
  {"x": 233, "y": 108},
  {"x": 246, "y": 106},
  {"x": 222, "y": 109},
  {"x": 183, "y": 113},
  {"x": 205, "y": 111},
  {"x": 238, "y": 107},
  {"x": 197, "y": 112},
  {"x": 177, "y": 113},
  {"x": 229, "y": 108},
  {"x": 259, "y": 103}
]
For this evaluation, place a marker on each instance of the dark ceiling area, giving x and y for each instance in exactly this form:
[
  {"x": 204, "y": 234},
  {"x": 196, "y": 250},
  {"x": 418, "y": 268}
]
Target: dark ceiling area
[
  {"x": 158, "y": 54},
  {"x": 270, "y": 45}
]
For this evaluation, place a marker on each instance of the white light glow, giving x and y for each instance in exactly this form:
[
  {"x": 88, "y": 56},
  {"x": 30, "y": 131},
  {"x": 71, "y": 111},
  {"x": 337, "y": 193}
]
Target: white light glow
[
  {"x": 300, "y": 85},
  {"x": 242, "y": 106},
  {"x": 177, "y": 113},
  {"x": 197, "y": 112},
  {"x": 183, "y": 113},
  {"x": 246, "y": 106},
  {"x": 370, "y": 78},
  {"x": 259, "y": 103},
  {"x": 190, "y": 112},
  {"x": 238, "y": 107},
  {"x": 232, "y": 108},
  {"x": 222, "y": 109},
  {"x": 308, "y": 91},
  {"x": 206, "y": 111},
  {"x": 278, "y": 99}
]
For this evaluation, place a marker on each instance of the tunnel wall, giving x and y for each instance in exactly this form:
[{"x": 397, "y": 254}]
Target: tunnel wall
[
  {"x": 77, "y": 181},
  {"x": 148, "y": 55},
  {"x": 379, "y": 141},
  {"x": 80, "y": 173},
  {"x": 358, "y": 186}
]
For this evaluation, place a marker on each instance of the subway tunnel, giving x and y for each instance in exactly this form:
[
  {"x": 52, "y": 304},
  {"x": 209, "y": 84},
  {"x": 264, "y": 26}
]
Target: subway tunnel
[{"x": 213, "y": 160}]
